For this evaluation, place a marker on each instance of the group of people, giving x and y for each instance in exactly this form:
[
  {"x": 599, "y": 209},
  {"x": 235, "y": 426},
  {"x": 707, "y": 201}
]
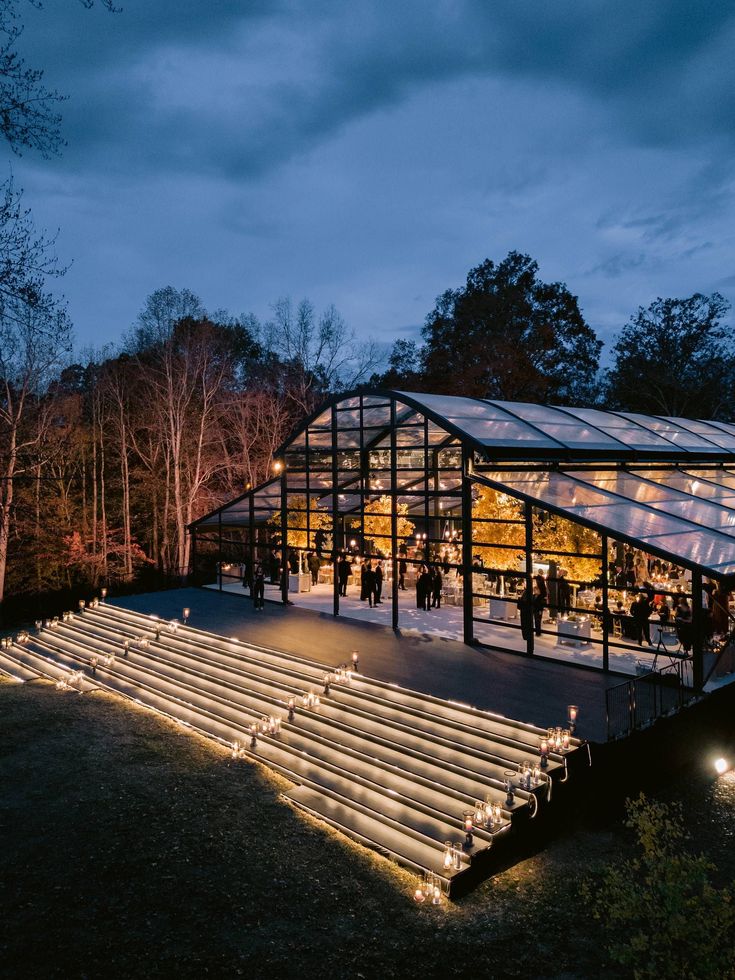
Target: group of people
[
  {"x": 634, "y": 622},
  {"x": 429, "y": 584}
]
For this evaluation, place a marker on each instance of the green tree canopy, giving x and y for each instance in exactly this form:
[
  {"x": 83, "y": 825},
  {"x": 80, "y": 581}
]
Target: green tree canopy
[
  {"x": 507, "y": 334},
  {"x": 675, "y": 357}
]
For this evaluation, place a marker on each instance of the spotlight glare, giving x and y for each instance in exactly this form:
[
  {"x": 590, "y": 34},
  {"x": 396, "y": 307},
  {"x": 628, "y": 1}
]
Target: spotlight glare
[{"x": 721, "y": 766}]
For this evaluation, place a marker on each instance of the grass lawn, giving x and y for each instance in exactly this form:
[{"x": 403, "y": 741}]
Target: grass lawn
[{"x": 131, "y": 847}]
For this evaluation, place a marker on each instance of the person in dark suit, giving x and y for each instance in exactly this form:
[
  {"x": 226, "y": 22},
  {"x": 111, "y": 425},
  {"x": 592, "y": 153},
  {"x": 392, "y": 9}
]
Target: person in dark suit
[
  {"x": 402, "y": 569},
  {"x": 564, "y": 593},
  {"x": 425, "y": 580},
  {"x": 368, "y": 582},
  {"x": 539, "y": 604},
  {"x": 525, "y": 608},
  {"x": 436, "y": 588},
  {"x": 258, "y": 591},
  {"x": 344, "y": 570},
  {"x": 640, "y": 610},
  {"x": 378, "y": 588}
]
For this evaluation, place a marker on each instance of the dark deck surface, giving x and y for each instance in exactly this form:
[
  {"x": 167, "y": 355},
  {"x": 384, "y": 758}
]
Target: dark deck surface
[{"x": 524, "y": 689}]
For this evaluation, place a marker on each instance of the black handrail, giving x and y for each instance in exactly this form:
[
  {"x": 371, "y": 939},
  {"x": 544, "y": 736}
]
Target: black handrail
[{"x": 639, "y": 701}]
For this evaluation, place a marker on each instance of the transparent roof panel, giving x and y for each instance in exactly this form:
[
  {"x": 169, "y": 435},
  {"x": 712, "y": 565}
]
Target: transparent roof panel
[
  {"x": 497, "y": 424},
  {"x": 688, "y": 529},
  {"x": 682, "y": 438},
  {"x": 720, "y": 477},
  {"x": 626, "y": 484},
  {"x": 484, "y": 421},
  {"x": 625, "y": 431},
  {"x": 710, "y": 488},
  {"x": 709, "y": 430}
]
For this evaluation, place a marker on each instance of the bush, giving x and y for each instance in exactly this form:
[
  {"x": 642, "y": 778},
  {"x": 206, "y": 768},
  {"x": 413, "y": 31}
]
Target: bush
[{"x": 662, "y": 914}]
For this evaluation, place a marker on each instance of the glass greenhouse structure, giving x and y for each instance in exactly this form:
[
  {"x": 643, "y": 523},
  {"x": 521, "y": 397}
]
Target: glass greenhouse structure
[{"x": 605, "y": 539}]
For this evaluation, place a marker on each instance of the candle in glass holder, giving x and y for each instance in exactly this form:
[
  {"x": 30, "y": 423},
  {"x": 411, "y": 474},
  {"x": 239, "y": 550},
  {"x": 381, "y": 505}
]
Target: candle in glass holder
[
  {"x": 565, "y": 739},
  {"x": 543, "y": 748},
  {"x": 418, "y": 895},
  {"x": 479, "y": 816},
  {"x": 572, "y": 713},
  {"x": 510, "y": 795},
  {"x": 448, "y": 855}
]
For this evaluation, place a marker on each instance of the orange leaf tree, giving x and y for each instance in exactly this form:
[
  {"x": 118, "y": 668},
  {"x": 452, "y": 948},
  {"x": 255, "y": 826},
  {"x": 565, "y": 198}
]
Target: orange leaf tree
[
  {"x": 298, "y": 527},
  {"x": 378, "y": 521},
  {"x": 494, "y": 506}
]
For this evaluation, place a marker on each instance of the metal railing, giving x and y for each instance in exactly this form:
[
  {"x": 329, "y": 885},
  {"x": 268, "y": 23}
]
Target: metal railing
[{"x": 638, "y": 702}]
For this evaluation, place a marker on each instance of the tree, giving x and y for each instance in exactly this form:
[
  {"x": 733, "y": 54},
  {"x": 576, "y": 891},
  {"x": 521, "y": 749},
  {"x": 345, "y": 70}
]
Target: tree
[
  {"x": 186, "y": 364},
  {"x": 676, "y": 357},
  {"x": 663, "y": 915},
  {"x": 28, "y": 110},
  {"x": 315, "y": 355},
  {"x": 560, "y": 536},
  {"x": 301, "y": 521},
  {"x": 508, "y": 335},
  {"x": 35, "y": 334},
  {"x": 497, "y": 519},
  {"x": 378, "y": 521},
  {"x": 403, "y": 367}
]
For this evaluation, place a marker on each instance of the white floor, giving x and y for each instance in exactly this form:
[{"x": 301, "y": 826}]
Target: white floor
[{"x": 447, "y": 622}]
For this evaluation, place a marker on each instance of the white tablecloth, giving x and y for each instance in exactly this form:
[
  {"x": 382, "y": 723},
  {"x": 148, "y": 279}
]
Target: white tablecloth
[{"x": 573, "y": 633}]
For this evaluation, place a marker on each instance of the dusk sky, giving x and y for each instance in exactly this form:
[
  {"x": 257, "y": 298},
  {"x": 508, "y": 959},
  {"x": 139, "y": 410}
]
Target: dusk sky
[{"x": 369, "y": 154}]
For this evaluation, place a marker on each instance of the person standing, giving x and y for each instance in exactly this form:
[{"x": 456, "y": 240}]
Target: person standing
[
  {"x": 683, "y": 621},
  {"x": 564, "y": 593},
  {"x": 420, "y": 600},
  {"x": 378, "y": 573},
  {"x": 539, "y": 604},
  {"x": 525, "y": 608},
  {"x": 436, "y": 588},
  {"x": 425, "y": 588},
  {"x": 313, "y": 565},
  {"x": 640, "y": 610},
  {"x": 368, "y": 582},
  {"x": 344, "y": 570},
  {"x": 259, "y": 587},
  {"x": 402, "y": 569}
]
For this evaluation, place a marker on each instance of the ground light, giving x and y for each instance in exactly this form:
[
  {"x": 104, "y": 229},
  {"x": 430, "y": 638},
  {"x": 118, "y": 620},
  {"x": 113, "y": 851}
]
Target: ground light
[{"x": 721, "y": 766}]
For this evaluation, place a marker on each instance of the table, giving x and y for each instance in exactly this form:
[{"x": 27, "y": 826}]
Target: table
[
  {"x": 575, "y": 633},
  {"x": 300, "y": 582},
  {"x": 503, "y": 608}
]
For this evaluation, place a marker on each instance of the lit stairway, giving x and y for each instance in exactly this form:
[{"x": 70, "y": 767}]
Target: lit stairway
[{"x": 392, "y": 768}]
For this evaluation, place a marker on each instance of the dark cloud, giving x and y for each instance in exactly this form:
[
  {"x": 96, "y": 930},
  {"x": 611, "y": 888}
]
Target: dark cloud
[
  {"x": 248, "y": 86},
  {"x": 370, "y": 153}
]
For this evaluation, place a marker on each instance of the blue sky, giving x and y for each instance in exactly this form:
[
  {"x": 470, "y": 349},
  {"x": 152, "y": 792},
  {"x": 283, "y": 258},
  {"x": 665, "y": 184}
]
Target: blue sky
[{"x": 369, "y": 154}]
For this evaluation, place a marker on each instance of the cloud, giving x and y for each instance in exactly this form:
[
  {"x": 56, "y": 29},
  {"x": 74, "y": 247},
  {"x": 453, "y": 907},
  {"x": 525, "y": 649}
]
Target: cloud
[
  {"x": 369, "y": 154},
  {"x": 238, "y": 88}
]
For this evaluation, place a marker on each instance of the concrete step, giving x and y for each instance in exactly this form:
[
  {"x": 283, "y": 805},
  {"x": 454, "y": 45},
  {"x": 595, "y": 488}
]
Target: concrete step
[
  {"x": 433, "y": 722},
  {"x": 393, "y": 768},
  {"x": 476, "y": 769},
  {"x": 522, "y": 735}
]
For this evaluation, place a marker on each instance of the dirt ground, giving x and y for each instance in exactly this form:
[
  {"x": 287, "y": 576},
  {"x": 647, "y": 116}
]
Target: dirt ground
[{"x": 130, "y": 847}]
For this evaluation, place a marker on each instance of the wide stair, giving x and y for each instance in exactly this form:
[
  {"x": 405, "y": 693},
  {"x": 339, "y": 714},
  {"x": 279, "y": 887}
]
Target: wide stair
[{"x": 397, "y": 770}]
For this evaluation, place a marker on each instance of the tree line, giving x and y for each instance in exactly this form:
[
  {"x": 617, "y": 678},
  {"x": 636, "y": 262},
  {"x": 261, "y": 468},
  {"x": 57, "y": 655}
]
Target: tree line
[{"x": 105, "y": 459}]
